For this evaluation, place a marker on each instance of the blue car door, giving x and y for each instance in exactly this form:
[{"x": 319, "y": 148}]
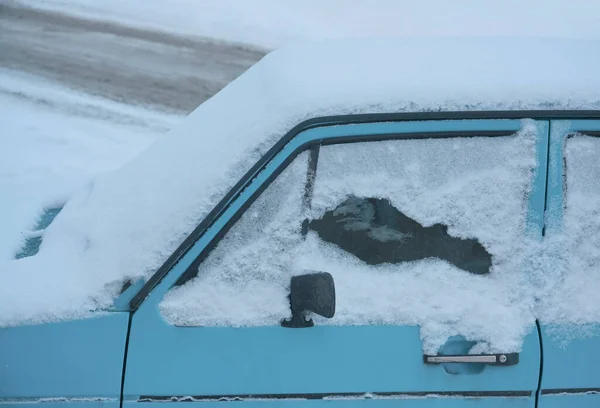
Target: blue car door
[
  {"x": 419, "y": 223},
  {"x": 569, "y": 299}
]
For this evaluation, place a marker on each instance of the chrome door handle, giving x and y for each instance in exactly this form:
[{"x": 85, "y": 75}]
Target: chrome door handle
[{"x": 505, "y": 359}]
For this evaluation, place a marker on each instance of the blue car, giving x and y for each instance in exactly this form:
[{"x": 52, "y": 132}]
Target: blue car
[{"x": 376, "y": 223}]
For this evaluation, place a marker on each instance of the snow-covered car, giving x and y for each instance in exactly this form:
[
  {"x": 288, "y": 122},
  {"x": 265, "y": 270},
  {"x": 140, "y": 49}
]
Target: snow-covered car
[{"x": 411, "y": 223}]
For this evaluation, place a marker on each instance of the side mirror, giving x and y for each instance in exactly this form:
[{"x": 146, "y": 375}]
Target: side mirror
[{"x": 314, "y": 292}]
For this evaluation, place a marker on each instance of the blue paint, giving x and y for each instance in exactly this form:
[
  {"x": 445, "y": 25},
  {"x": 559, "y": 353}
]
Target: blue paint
[
  {"x": 168, "y": 360},
  {"x": 570, "y": 400},
  {"x": 61, "y": 403},
  {"x": 275, "y": 360},
  {"x": 409, "y": 402},
  {"x": 81, "y": 358},
  {"x": 570, "y": 363},
  {"x": 574, "y": 363},
  {"x": 121, "y": 303}
]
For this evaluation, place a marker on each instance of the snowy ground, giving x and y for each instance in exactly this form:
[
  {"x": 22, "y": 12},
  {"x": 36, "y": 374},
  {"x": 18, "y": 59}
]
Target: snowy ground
[
  {"x": 157, "y": 70},
  {"x": 79, "y": 98},
  {"x": 272, "y": 23},
  {"x": 53, "y": 140}
]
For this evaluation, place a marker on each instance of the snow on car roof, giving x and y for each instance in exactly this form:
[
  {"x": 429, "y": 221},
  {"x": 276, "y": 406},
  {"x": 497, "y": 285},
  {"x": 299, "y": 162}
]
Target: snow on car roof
[{"x": 126, "y": 223}]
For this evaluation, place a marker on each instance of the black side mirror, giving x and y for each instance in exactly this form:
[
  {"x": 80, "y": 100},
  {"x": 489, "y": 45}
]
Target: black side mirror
[{"x": 314, "y": 292}]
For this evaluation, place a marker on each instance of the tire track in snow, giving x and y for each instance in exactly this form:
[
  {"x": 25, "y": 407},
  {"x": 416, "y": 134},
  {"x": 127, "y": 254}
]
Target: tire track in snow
[{"x": 158, "y": 70}]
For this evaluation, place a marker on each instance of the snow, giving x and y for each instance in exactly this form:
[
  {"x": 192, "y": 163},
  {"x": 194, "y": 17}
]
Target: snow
[
  {"x": 481, "y": 193},
  {"x": 53, "y": 141},
  {"x": 576, "y": 251},
  {"x": 125, "y": 223},
  {"x": 244, "y": 280},
  {"x": 273, "y": 23}
]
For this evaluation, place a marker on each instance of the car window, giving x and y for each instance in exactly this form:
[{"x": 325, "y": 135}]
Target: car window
[
  {"x": 573, "y": 278},
  {"x": 416, "y": 231},
  {"x": 244, "y": 280}
]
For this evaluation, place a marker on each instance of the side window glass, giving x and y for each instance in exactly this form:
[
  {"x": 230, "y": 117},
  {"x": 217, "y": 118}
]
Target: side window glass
[
  {"x": 428, "y": 232},
  {"x": 582, "y": 215},
  {"x": 574, "y": 282},
  {"x": 245, "y": 279}
]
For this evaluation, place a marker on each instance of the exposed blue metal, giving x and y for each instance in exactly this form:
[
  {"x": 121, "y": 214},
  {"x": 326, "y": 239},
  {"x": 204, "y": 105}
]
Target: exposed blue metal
[
  {"x": 80, "y": 358},
  {"x": 568, "y": 400},
  {"x": 90, "y": 402},
  {"x": 121, "y": 303},
  {"x": 571, "y": 363},
  {"x": 168, "y": 360},
  {"x": 400, "y": 402}
]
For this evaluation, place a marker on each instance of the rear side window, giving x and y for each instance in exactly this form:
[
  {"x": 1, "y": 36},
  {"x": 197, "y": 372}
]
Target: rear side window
[
  {"x": 573, "y": 284},
  {"x": 414, "y": 231}
]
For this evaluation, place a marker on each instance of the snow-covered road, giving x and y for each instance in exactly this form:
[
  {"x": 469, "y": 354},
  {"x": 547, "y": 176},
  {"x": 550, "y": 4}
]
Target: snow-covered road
[{"x": 158, "y": 70}]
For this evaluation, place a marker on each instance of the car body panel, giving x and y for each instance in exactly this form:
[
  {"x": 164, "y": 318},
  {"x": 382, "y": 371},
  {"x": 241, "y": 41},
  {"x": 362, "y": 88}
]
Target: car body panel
[
  {"x": 400, "y": 401},
  {"x": 571, "y": 364},
  {"x": 79, "y": 358},
  {"x": 578, "y": 400},
  {"x": 322, "y": 359},
  {"x": 62, "y": 403}
]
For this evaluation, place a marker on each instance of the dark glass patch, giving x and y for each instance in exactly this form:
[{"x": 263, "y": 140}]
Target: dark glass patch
[{"x": 376, "y": 232}]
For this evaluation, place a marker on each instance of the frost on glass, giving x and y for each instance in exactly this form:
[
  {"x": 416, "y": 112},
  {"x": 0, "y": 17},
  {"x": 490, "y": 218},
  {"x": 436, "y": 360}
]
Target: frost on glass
[
  {"x": 470, "y": 192},
  {"x": 457, "y": 196},
  {"x": 572, "y": 296},
  {"x": 245, "y": 279}
]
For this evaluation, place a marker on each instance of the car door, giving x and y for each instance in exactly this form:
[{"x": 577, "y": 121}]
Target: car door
[
  {"x": 569, "y": 297},
  {"x": 419, "y": 223}
]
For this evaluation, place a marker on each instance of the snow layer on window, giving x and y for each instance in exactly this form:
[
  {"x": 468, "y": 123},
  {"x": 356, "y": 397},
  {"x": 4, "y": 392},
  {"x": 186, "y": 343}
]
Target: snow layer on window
[
  {"x": 245, "y": 279},
  {"x": 572, "y": 294},
  {"x": 476, "y": 186}
]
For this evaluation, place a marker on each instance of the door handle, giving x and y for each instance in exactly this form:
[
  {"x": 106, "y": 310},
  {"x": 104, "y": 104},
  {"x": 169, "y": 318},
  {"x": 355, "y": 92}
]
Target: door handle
[{"x": 505, "y": 359}]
